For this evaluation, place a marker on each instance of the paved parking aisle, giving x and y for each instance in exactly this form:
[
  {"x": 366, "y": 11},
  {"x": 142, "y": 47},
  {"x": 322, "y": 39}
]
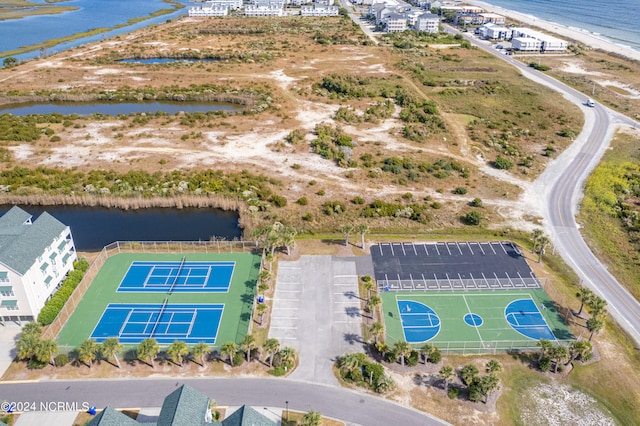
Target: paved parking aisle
[{"x": 316, "y": 310}]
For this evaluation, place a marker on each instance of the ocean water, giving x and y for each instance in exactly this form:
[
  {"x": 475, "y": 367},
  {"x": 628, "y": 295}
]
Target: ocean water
[
  {"x": 91, "y": 14},
  {"x": 615, "y": 20}
]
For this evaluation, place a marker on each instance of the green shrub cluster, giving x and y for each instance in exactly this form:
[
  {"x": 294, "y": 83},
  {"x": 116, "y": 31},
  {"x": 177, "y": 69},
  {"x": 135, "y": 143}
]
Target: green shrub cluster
[
  {"x": 19, "y": 129},
  {"x": 54, "y": 305},
  {"x": 361, "y": 371},
  {"x": 413, "y": 171},
  {"x": 333, "y": 207},
  {"x": 333, "y": 144},
  {"x": 413, "y": 211}
]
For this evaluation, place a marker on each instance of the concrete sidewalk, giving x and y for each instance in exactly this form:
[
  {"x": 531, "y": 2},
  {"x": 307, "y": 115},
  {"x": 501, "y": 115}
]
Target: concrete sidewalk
[{"x": 8, "y": 335}]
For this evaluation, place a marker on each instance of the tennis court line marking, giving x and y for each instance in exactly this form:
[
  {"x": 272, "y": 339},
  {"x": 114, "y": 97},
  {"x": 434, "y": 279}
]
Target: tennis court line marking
[
  {"x": 541, "y": 316},
  {"x": 469, "y": 311}
]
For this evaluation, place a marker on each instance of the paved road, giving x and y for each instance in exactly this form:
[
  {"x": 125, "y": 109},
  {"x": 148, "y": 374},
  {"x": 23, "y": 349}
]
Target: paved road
[
  {"x": 562, "y": 187},
  {"x": 353, "y": 407}
]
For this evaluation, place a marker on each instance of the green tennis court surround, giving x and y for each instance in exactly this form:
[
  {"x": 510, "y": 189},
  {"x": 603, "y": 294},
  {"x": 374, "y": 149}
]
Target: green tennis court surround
[{"x": 239, "y": 269}]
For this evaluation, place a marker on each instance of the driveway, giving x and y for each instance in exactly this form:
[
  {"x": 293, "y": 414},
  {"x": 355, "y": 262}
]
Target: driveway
[{"x": 316, "y": 310}]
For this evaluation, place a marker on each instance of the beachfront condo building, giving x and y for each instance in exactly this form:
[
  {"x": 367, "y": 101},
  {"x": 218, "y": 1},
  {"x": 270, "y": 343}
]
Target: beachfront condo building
[{"x": 35, "y": 257}]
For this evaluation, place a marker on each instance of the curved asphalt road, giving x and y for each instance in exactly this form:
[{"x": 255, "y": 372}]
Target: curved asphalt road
[
  {"x": 560, "y": 190},
  {"x": 349, "y": 406}
]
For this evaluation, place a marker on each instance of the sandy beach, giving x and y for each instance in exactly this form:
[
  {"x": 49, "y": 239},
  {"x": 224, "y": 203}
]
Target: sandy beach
[{"x": 578, "y": 35}]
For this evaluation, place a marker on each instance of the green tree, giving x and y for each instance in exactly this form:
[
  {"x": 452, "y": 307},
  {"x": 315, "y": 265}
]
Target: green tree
[
  {"x": 362, "y": 228},
  {"x": 384, "y": 384},
  {"x": 349, "y": 362},
  {"x": 46, "y": 350},
  {"x": 9, "y": 62},
  {"x": 200, "y": 351},
  {"x": 261, "y": 308},
  {"x": 535, "y": 236},
  {"x": 402, "y": 349},
  {"x": 376, "y": 330},
  {"x": 288, "y": 355},
  {"x": 373, "y": 304},
  {"x": 347, "y": 230},
  {"x": 87, "y": 351},
  {"x": 543, "y": 241},
  {"x": 148, "y": 349},
  {"x": 594, "y": 325},
  {"x": 271, "y": 347},
  {"x": 426, "y": 350},
  {"x": 597, "y": 306},
  {"x": 545, "y": 347},
  {"x": 585, "y": 295},
  {"x": 447, "y": 375},
  {"x": 248, "y": 344},
  {"x": 368, "y": 285},
  {"x": 29, "y": 339},
  {"x": 502, "y": 163},
  {"x": 228, "y": 350},
  {"x": 177, "y": 351},
  {"x": 493, "y": 366},
  {"x": 579, "y": 349},
  {"x": 111, "y": 348},
  {"x": 558, "y": 354},
  {"x": 468, "y": 373},
  {"x": 311, "y": 418}
]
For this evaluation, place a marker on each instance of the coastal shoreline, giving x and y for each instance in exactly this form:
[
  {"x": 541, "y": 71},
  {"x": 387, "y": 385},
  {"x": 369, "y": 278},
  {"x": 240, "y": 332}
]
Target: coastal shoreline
[{"x": 582, "y": 36}]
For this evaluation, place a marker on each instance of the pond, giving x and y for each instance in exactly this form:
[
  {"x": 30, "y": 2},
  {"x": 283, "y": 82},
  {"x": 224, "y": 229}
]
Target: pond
[
  {"x": 95, "y": 227},
  {"x": 115, "y": 108}
]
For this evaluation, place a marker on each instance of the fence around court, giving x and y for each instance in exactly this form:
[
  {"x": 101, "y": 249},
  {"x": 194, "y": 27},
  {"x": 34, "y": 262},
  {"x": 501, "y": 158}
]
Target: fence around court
[
  {"x": 214, "y": 246},
  {"x": 487, "y": 347},
  {"x": 421, "y": 284}
]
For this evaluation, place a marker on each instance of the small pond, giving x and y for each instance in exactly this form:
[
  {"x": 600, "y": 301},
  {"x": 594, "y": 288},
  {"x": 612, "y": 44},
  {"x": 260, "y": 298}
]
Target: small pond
[
  {"x": 150, "y": 61},
  {"x": 115, "y": 108}
]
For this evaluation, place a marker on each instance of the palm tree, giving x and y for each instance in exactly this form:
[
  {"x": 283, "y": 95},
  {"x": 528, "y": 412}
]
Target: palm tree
[
  {"x": 535, "y": 236},
  {"x": 426, "y": 350},
  {"x": 493, "y": 366},
  {"x": 594, "y": 325},
  {"x": 200, "y": 351},
  {"x": 362, "y": 229},
  {"x": 468, "y": 373},
  {"x": 373, "y": 303},
  {"x": 261, "y": 308},
  {"x": 177, "y": 351},
  {"x": 32, "y": 329},
  {"x": 384, "y": 384},
  {"x": 288, "y": 355},
  {"x": 287, "y": 237},
  {"x": 271, "y": 347},
  {"x": 346, "y": 230},
  {"x": 558, "y": 354},
  {"x": 368, "y": 285},
  {"x": 148, "y": 348},
  {"x": 542, "y": 243},
  {"x": 545, "y": 347},
  {"x": 596, "y": 306},
  {"x": 376, "y": 330},
  {"x": 87, "y": 351},
  {"x": 402, "y": 349},
  {"x": 248, "y": 344},
  {"x": 585, "y": 296},
  {"x": 447, "y": 374},
  {"x": 45, "y": 351},
  {"x": 27, "y": 345},
  {"x": 311, "y": 418},
  {"x": 579, "y": 349},
  {"x": 111, "y": 347},
  {"x": 488, "y": 385},
  {"x": 229, "y": 349},
  {"x": 349, "y": 362}
]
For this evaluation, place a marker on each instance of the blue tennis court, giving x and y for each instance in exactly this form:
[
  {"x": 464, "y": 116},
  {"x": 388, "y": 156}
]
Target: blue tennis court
[
  {"x": 186, "y": 277},
  {"x": 525, "y": 318},
  {"x": 133, "y": 323},
  {"x": 419, "y": 322}
]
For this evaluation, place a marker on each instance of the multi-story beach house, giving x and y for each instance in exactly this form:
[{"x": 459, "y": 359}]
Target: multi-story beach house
[
  {"x": 35, "y": 257},
  {"x": 319, "y": 10},
  {"x": 428, "y": 22},
  {"x": 265, "y": 8},
  {"x": 522, "y": 40}
]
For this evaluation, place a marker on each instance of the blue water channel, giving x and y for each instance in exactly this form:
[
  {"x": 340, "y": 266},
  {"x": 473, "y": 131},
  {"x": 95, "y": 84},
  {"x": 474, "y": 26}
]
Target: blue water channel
[
  {"x": 91, "y": 14},
  {"x": 96, "y": 227},
  {"x": 107, "y": 108},
  {"x": 152, "y": 61}
]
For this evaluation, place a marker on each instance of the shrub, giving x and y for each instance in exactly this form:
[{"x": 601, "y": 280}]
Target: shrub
[
  {"x": 435, "y": 356},
  {"x": 374, "y": 370},
  {"x": 460, "y": 190},
  {"x": 238, "y": 359},
  {"x": 356, "y": 375},
  {"x": 473, "y": 218},
  {"x": 545, "y": 364},
  {"x": 502, "y": 163},
  {"x": 307, "y": 217},
  {"x": 54, "y": 305},
  {"x": 35, "y": 364},
  {"x": 61, "y": 360},
  {"x": 357, "y": 200},
  {"x": 453, "y": 392},
  {"x": 539, "y": 67},
  {"x": 278, "y": 200},
  {"x": 476, "y": 202},
  {"x": 302, "y": 201},
  {"x": 412, "y": 359}
]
